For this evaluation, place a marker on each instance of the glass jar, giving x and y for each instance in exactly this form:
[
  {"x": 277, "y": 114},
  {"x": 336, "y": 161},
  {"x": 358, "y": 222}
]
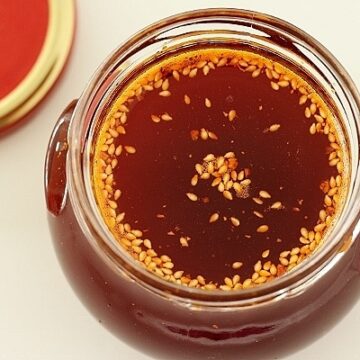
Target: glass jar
[{"x": 169, "y": 321}]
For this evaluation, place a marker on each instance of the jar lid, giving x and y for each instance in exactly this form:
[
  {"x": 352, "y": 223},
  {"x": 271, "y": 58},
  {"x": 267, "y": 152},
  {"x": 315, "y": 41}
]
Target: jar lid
[{"x": 35, "y": 42}]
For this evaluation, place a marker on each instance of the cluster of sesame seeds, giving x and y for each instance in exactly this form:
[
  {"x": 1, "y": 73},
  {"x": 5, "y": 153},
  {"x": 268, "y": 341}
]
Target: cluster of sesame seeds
[{"x": 221, "y": 171}]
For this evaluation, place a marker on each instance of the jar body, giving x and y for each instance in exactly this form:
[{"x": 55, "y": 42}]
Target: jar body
[{"x": 168, "y": 329}]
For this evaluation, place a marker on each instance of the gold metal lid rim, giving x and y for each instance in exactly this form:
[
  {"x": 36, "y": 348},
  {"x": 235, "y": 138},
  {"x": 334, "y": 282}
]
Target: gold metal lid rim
[{"x": 48, "y": 66}]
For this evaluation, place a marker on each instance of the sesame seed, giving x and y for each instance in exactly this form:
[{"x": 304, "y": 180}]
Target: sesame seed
[
  {"x": 117, "y": 194},
  {"x": 123, "y": 108},
  {"x": 228, "y": 282},
  {"x": 333, "y": 162},
  {"x": 178, "y": 274},
  {"x": 340, "y": 167},
  {"x": 312, "y": 129},
  {"x": 229, "y": 155},
  {"x": 214, "y": 217},
  {"x": 256, "y": 73},
  {"x": 247, "y": 283},
  {"x": 111, "y": 149},
  {"x": 276, "y": 205},
  {"x": 199, "y": 169},
  {"x": 130, "y": 149},
  {"x": 318, "y": 118},
  {"x": 225, "y": 287},
  {"x": 235, "y": 279},
  {"x": 221, "y": 187},
  {"x": 120, "y": 217},
  {"x": 137, "y": 249},
  {"x": 166, "y": 117},
  {"x": 192, "y": 196},
  {"x": 121, "y": 130},
  {"x": 320, "y": 227},
  {"x": 114, "y": 163},
  {"x": 130, "y": 236},
  {"x": 113, "y": 133},
  {"x": 168, "y": 265},
  {"x": 108, "y": 170},
  {"x": 158, "y": 76},
  {"x": 112, "y": 204},
  {"x": 221, "y": 62},
  {"x": 227, "y": 195},
  {"x": 165, "y": 93},
  {"x": 204, "y": 134},
  {"x": 148, "y": 87},
  {"x": 207, "y": 103},
  {"x": 313, "y": 109},
  {"x": 258, "y": 214},
  {"x": 262, "y": 228},
  {"x": 223, "y": 169},
  {"x": 176, "y": 75},
  {"x": 338, "y": 180},
  {"x": 200, "y": 279},
  {"x": 283, "y": 83},
  {"x": 209, "y": 157},
  {"x": 165, "y": 85},
  {"x": 193, "y": 73},
  {"x": 229, "y": 185},
  {"x": 184, "y": 241},
  {"x": 123, "y": 118},
  {"x": 117, "y": 115},
  {"x": 201, "y": 64},
  {"x": 257, "y": 266},
  {"x": 187, "y": 99},
  {"x": 245, "y": 182},
  {"x": 220, "y": 161},
  {"x": 226, "y": 178},
  {"x": 237, "y": 265},
  {"x": 251, "y": 68},
  {"x": 265, "y": 254},
  {"x": 303, "y": 99},
  {"x": 235, "y": 221},
  {"x": 210, "y": 287},
  {"x": 327, "y": 200},
  {"x": 137, "y": 233},
  {"x": 194, "y": 180},
  {"x": 304, "y": 232},
  {"x": 186, "y": 71},
  {"x": 155, "y": 118},
  {"x": 258, "y": 201},
  {"x": 274, "y": 127},
  {"x": 264, "y": 194},
  {"x": 274, "y": 85},
  {"x": 232, "y": 115},
  {"x": 212, "y": 135},
  {"x": 118, "y": 150}
]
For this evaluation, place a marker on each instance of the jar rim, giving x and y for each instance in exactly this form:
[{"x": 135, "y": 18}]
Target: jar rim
[{"x": 117, "y": 258}]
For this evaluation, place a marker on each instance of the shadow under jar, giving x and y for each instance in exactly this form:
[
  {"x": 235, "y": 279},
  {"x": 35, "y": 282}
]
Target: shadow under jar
[{"x": 167, "y": 320}]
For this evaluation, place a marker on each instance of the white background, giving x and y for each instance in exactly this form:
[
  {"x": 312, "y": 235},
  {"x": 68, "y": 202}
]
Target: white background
[{"x": 40, "y": 317}]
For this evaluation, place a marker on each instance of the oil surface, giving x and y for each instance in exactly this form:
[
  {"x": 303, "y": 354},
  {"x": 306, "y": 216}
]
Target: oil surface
[{"x": 218, "y": 168}]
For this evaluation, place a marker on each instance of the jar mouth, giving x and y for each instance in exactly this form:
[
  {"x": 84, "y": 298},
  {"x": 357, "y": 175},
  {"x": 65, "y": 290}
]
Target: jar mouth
[{"x": 253, "y": 26}]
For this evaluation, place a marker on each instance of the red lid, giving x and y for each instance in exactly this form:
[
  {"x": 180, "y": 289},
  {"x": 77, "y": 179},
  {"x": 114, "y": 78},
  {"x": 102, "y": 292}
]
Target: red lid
[{"x": 35, "y": 41}]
